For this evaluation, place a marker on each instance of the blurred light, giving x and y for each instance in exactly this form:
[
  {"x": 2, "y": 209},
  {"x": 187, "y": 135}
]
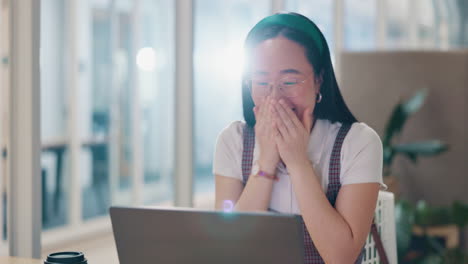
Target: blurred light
[
  {"x": 228, "y": 206},
  {"x": 234, "y": 61},
  {"x": 227, "y": 62},
  {"x": 146, "y": 59}
]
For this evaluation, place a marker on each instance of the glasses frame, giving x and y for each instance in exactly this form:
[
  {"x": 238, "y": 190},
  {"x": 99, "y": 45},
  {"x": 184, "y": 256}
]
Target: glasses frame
[{"x": 276, "y": 84}]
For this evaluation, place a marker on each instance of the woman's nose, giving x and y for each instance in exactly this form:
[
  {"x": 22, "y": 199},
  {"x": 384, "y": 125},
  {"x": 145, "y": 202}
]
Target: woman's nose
[{"x": 275, "y": 92}]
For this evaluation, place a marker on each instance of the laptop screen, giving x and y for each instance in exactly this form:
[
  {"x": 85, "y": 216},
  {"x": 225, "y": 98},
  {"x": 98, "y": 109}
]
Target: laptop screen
[{"x": 162, "y": 235}]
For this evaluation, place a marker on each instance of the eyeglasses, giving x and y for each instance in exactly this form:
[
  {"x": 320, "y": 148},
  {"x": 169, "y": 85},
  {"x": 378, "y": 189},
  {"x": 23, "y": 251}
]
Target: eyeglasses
[{"x": 288, "y": 85}]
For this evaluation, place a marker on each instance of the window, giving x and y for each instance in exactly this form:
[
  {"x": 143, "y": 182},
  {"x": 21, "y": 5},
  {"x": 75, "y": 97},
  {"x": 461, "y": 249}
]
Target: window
[
  {"x": 220, "y": 30},
  {"x": 360, "y": 24},
  {"x": 122, "y": 94},
  {"x": 54, "y": 109},
  {"x": 128, "y": 105},
  {"x": 320, "y": 12},
  {"x": 4, "y": 71},
  {"x": 155, "y": 74},
  {"x": 425, "y": 24},
  {"x": 104, "y": 107},
  {"x": 397, "y": 24}
]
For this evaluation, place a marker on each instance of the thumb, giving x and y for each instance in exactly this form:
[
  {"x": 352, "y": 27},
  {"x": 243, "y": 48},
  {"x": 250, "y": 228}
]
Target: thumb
[{"x": 307, "y": 119}]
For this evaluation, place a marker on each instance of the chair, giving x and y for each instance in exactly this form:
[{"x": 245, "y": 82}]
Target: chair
[{"x": 384, "y": 219}]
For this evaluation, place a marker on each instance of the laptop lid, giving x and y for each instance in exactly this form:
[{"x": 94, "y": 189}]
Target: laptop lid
[{"x": 162, "y": 235}]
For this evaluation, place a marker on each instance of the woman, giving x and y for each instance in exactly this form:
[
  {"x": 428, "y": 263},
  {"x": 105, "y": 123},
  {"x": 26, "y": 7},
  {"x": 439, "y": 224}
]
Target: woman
[{"x": 300, "y": 150}]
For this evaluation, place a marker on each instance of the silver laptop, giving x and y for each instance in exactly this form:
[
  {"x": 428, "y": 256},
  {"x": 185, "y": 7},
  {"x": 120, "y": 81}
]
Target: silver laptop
[{"x": 157, "y": 235}]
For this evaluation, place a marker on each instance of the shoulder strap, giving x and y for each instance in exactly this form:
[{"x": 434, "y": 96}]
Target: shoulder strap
[
  {"x": 378, "y": 243},
  {"x": 334, "y": 186},
  {"x": 247, "y": 153},
  {"x": 334, "y": 169}
]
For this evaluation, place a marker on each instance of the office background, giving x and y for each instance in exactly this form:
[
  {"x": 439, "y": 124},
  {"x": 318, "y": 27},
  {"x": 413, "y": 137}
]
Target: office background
[{"x": 110, "y": 102}]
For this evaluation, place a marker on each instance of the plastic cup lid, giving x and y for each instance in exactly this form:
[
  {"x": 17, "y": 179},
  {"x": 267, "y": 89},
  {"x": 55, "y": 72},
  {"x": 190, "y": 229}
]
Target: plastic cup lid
[{"x": 66, "y": 258}]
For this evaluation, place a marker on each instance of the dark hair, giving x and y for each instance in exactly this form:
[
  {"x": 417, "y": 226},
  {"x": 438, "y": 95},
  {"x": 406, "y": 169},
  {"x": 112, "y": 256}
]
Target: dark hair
[{"x": 332, "y": 107}]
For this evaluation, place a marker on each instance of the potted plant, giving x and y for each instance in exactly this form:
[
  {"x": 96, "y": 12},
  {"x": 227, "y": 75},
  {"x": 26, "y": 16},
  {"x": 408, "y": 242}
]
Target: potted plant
[
  {"x": 430, "y": 235},
  {"x": 402, "y": 111}
]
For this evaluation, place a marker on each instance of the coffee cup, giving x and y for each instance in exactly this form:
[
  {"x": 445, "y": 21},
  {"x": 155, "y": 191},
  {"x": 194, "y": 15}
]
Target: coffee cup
[{"x": 67, "y": 257}]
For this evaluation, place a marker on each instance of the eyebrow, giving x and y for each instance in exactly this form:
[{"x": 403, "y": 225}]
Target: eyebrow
[
  {"x": 290, "y": 71},
  {"x": 260, "y": 73},
  {"x": 282, "y": 72}
]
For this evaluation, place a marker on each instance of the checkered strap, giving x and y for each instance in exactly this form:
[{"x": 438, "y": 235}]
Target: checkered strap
[
  {"x": 311, "y": 254},
  {"x": 247, "y": 153},
  {"x": 334, "y": 169}
]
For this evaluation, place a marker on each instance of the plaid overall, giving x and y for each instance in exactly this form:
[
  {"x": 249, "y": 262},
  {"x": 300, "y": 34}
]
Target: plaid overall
[{"x": 311, "y": 255}]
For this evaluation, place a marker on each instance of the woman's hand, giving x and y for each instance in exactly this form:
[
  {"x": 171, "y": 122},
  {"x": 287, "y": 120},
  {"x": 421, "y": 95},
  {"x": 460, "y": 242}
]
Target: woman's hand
[
  {"x": 292, "y": 135},
  {"x": 265, "y": 134}
]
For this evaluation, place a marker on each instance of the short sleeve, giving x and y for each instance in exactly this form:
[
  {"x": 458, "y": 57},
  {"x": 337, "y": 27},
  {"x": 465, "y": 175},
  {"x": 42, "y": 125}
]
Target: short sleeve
[
  {"x": 362, "y": 156},
  {"x": 228, "y": 152}
]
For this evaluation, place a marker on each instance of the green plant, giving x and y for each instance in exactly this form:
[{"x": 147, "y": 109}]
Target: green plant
[
  {"x": 430, "y": 250},
  {"x": 400, "y": 115}
]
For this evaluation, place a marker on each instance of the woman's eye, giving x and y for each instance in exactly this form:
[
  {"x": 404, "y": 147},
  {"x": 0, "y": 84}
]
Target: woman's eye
[
  {"x": 261, "y": 83},
  {"x": 290, "y": 82}
]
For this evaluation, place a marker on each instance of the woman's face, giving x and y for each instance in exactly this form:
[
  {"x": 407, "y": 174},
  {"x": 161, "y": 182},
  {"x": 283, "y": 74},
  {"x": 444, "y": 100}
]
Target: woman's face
[{"x": 282, "y": 63}]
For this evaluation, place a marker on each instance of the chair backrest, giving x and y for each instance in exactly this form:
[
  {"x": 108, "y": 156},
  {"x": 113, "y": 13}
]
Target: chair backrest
[{"x": 385, "y": 221}]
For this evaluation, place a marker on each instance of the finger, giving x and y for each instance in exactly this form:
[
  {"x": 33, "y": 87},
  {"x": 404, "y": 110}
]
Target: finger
[
  {"x": 291, "y": 115},
  {"x": 275, "y": 132},
  {"x": 281, "y": 126},
  {"x": 281, "y": 112},
  {"x": 307, "y": 119},
  {"x": 258, "y": 115},
  {"x": 259, "y": 112},
  {"x": 274, "y": 128},
  {"x": 278, "y": 138},
  {"x": 264, "y": 107},
  {"x": 272, "y": 109}
]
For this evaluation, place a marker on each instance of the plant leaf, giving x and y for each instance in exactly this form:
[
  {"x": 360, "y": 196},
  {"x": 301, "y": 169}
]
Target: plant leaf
[
  {"x": 426, "y": 148},
  {"x": 422, "y": 213},
  {"x": 460, "y": 214},
  {"x": 432, "y": 259},
  {"x": 455, "y": 256},
  {"x": 404, "y": 219},
  {"x": 415, "y": 102},
  {"x": 394, "y": 125},
  {"x": 401, "y": 113},
  {"x": 432, "y": 216},
  {"x": 387, "y": 156}
]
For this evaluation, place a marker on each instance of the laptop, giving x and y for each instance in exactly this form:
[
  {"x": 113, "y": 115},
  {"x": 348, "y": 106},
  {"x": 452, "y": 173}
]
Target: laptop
[{"x": 179, "y": 235}]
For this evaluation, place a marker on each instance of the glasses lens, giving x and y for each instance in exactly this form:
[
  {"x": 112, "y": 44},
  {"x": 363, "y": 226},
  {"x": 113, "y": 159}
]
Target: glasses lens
[
  {"x": 290, "y": 85},
  {"x": 259, "y": 86}
]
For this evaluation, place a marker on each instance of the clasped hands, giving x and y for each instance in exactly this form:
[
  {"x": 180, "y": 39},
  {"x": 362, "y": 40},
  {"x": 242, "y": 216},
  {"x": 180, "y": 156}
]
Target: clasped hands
[{"x": 280, "y": 133}]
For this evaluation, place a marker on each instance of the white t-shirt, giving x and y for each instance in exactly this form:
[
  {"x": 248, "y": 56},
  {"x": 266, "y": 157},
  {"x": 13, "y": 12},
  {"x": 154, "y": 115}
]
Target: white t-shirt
[{"x": 361, "y": 159}]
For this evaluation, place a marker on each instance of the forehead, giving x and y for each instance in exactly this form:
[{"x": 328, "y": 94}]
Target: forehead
[{"x": 275, "y": 55}]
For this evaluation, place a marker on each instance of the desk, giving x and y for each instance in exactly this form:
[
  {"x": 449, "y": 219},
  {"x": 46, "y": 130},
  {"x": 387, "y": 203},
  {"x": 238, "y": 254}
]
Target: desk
[{"x": 14, "y": 260}]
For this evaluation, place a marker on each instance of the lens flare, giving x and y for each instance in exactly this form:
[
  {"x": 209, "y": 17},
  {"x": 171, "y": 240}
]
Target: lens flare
[{"x": 228, "y": 206}]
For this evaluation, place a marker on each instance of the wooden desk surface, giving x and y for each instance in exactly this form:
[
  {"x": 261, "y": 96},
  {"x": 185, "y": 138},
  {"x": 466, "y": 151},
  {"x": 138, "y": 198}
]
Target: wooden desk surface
[{"x": 14, "y": 260}]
